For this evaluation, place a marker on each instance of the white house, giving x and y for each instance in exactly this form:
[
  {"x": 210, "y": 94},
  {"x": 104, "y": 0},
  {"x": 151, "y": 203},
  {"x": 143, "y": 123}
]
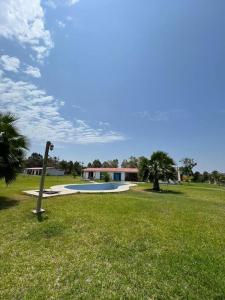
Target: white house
[
  {"x": 38, "y": 171},
  {"x": 117, "y": 174}
]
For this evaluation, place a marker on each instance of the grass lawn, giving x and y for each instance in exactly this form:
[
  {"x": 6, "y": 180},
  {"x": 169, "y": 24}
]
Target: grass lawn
[{"x": 132, "y": 245}]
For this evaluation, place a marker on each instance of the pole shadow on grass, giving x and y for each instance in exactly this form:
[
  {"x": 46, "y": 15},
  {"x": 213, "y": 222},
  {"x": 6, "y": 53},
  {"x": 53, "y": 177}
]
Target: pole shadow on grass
[
  {"x": 6, "y": 203},
  {"x": 41, "y": 217},
  {"x": 169, "y": 192}
]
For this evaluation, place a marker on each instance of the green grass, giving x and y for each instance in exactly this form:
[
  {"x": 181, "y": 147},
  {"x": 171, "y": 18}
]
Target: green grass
[{"x": 132, "y": 245}]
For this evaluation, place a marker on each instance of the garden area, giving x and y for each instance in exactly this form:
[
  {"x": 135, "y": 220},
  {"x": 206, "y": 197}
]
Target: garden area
[{"x": 132, "y": 245}]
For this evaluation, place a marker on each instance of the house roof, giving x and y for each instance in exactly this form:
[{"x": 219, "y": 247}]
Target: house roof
[{"x": 126, "y": 170}]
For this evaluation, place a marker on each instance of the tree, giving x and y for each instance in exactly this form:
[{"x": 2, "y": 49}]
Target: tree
[
  {"x": 53, "y": 162},
  {"x": 12, "y": 148},
  {"x": 114, "y": 163},
  {"x": 77, "y": 167},
  {"x": 214, "y": 177},
  {"x": 143, "y": 164},
  {"x": 161, "y": 167},
  {"x": 188, "y": 165},
  {"x": 96, "y": 164},
  {"x": 106, "y": 177},
  {"x": 124, "y": 163},
  {"x": 64, "y": 166},
  {"x": 197, "y": 177},
  {"x": 110, "y": 163},
  {"x": 205, "y": 177},
  {"x": 106, "y": 164},
  {"x": 70, "y": 167},
  {"x": 132, "y": 162},
  {"x": 34, "y": 160}
]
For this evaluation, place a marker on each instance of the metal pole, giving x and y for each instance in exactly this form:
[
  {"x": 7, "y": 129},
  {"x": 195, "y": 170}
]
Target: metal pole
[
  {"x": 178, "y": 174},
  {"x": 39, "y": 200}
]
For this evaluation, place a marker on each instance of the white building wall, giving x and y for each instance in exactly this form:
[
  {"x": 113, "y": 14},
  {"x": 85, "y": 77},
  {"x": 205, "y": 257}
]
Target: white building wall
[
  {"x": 122, "y": 176},
  {"x": 96, "y": 175},
  {"x": 85, "y": 175},
  {"x": 55, "y": 172},
  {"x": 110, "y": 175}
]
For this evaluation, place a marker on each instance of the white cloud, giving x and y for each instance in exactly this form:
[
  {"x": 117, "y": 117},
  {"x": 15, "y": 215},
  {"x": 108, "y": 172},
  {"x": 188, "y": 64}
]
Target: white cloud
[
  {"x": 40, "y": 119},
  {"x": 33, "y": 71},
  {"x": 103, "y": 124},
  {"x": 55, "y": 3},
  {"x": 10, "y": 63},
  {"x": 51, "y": 4},
  {"x": 23, "y": 20},
  {"x": 69, "y": 18},
  {"x": 72, "y": 2},
  {"x": 61, "y": 24},
  {"x": 79, "y": 107}
]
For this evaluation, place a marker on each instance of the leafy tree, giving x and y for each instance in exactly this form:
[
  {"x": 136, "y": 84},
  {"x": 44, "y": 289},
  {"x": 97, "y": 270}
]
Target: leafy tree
[
  {"x": 110, "y": 163},
  {"x": 74, "y": 174},
  {"x": 124, "y": 163},
  {"x": 205, "y": 176},
  {"x": 197, "y": 177},
  {"x": 70, "y": 167},
  {"x": 215, "y": 177},
  {"x": 96, "y": 164},
  {"x": 188, "y": 165},
  {"x": 12, "y": 148},
  {"x": 77, "y": 167},
  {"x": 132, "y": 162},
  {"x": 106, "y": 177},
  {"x": 114, "y": 163},
  {"x": 161, "y": 167},
  {"x": 64, "y": 166},
  {"x": 53, "y": 162},
  {"x": 34, "y": 160},
  {"x": 143, "y": 167},
  {"x": 222, "y": 179},
  {"x": 106, "y": 164}
]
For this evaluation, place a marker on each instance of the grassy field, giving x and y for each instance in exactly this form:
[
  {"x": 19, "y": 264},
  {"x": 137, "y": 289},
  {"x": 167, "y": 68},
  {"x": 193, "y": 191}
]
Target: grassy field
[{"x": 132, "y": 245}]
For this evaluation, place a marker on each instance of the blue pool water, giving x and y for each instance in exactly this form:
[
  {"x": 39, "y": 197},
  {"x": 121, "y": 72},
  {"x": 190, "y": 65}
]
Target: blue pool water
[{"x": 94, "y": 187}]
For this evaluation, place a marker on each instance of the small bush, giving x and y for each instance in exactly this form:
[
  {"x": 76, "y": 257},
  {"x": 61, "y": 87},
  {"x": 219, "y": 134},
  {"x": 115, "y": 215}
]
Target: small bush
[{"x": 106, "y": 177}]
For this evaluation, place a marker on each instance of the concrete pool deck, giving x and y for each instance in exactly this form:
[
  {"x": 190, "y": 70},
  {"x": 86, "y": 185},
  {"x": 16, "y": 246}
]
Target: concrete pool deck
[{"x": 61, "y": 190}]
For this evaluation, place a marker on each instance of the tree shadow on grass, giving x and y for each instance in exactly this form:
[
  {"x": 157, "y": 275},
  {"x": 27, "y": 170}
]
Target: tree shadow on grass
[
  {"x": 6, "y": 203},
  {"x": 172, "y": 192}
]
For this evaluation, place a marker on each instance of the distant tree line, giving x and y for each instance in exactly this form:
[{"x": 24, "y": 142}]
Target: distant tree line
[
  {"x": 214, "y": 177},
  {"x": 106, "y": 164}
]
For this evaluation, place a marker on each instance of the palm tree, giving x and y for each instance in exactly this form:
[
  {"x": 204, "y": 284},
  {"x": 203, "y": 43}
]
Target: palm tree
[
  {"x": 12, "y": 148},
  {"x": 161, "y": 167}
]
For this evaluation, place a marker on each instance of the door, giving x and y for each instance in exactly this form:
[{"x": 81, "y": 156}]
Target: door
[
  {"x": 90, "y": 175},
  {"x": 117, "y": 176}
]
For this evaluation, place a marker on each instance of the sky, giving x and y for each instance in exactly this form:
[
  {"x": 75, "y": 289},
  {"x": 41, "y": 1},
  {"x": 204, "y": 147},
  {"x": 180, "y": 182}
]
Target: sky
[{"x": 109, "y": 78}]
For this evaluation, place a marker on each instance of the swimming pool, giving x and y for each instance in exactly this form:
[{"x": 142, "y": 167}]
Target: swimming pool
[
  {"x": 94, "y": 186},
  {"x": 60, "y": 190}
]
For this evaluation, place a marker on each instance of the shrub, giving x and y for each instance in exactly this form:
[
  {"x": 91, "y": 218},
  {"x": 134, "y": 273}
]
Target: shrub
[{"x": 106, "y": 177}]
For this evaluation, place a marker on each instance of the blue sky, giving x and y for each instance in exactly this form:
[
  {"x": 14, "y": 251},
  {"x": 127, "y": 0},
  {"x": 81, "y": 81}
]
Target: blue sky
[{"x": 109, "y": 78}]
